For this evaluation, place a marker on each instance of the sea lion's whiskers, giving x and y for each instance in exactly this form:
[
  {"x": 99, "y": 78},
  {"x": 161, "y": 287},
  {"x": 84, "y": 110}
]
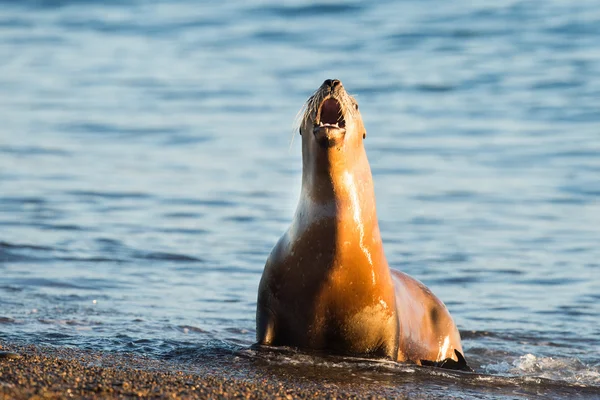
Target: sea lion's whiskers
[
  {"x": 310, "y": 107},
  {"x": 302, "y": 116},
  {"x": 349, "y": 103},
  {"x": 297, "y": 123}
]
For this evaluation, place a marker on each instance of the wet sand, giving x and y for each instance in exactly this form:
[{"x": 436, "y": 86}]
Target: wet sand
[
  {"x": 33, "y": 372},
  {"x": 54, "y": 373}
]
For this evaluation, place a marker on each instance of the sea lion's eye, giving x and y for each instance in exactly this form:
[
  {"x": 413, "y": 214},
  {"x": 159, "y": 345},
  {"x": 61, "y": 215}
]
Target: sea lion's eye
[
  {"x": 356, "y": 106},
  {"x": 300, "y": 131}
]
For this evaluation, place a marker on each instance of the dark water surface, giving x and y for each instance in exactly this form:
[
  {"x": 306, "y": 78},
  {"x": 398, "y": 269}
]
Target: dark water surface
[{"x": 146, "y": 170}]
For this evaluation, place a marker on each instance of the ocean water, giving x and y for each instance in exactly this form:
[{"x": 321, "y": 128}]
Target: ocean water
[{"x": 149, "y": 162}]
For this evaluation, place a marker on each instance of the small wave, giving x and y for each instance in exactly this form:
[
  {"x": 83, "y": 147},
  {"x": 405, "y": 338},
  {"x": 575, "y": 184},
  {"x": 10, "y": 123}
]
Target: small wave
[
  {"x": 7, "y": 245},
  {"x": 186, "y": 231},
  {"x": 313, "y": 10},
  {"x": 69, "y": 322},
  {"x": 120, "y": 131},
  {"x": 32, "y": 150},
  {"x": 182, "y": 351},
  {"x": 60, "y": 227},
  {"x": 229, "y": 269},
  {"x": 23, "y": 201},
  {"x": 116, "y": 247},
  {"x": 559, "y": 281},
  {"x": 182, "y": 215},
  {"x": 91, "y": 259},
  {"x": 51, "y": 4},
  {"x": 169, "y": 257},
  {"x": 10, "y": 288},
  {"x": 109, "y": 195},
  {"x": 199, "y": 202},
  {"x": 240, "y": 218},
  {"x": 12, "y": 252},
  {"x": 277, "y": 36},
  {"x": 568, "y": 370},
  {"x": 193, "y": 329},
  {"x": 467, "y": 335},
  {"x": 57, "y": 336},
  {"x": 51, "y": 283}
]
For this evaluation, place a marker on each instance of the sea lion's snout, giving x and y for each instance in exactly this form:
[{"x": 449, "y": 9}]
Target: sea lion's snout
[
  {"x": 332, "y": 116},
  {"x": 332, "y": 83}
]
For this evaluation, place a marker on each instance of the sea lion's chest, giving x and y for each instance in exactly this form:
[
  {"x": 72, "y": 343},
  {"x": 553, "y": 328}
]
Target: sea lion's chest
[{"x": 334, "y": 288}]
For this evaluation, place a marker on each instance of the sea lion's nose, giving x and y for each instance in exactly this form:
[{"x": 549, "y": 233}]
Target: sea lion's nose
[{"x": 332, "y": 83}]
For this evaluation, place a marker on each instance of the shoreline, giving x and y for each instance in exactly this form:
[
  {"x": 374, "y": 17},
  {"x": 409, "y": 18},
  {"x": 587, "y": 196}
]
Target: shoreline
[
  {"x": 44, "y": 372},
  {"x": 61, "y": 372}
]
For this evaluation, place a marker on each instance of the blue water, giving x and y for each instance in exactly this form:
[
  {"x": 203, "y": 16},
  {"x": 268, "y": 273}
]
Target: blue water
[{"x": 149, "y": 162}]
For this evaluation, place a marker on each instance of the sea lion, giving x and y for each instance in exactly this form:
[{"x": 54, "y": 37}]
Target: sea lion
[{"x": 326, "y": 285}]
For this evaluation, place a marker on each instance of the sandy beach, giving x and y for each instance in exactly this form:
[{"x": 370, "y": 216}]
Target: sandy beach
[
  {"x": 55, "y": 373},
  {"x": 30, "y": 372}
]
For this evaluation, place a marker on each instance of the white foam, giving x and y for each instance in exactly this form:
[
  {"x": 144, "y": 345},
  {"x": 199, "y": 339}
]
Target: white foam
[{"x": 571, "y": 370}]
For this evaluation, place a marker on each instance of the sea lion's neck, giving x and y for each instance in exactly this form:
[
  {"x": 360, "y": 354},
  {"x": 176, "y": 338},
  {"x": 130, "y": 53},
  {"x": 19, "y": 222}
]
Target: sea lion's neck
[
  {"x": 338, "y": 202},
  {"x": 339, "y": 181}
]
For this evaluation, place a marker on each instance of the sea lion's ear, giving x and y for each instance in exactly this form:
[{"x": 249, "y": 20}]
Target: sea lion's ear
[{"x": 364, "y": 134}]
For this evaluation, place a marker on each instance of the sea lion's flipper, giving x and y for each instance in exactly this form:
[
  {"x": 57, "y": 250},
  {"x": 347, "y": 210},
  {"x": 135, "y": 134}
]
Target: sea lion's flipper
[
  {"x": 265, "y": 326},
  {"x": 448, "y": 363}
]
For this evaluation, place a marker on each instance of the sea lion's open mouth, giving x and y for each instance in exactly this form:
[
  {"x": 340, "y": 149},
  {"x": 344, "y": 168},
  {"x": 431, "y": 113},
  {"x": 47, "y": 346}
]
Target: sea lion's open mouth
[
  {"x": 330, "y": 125},
  {"x": 330, "y": 114}
]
